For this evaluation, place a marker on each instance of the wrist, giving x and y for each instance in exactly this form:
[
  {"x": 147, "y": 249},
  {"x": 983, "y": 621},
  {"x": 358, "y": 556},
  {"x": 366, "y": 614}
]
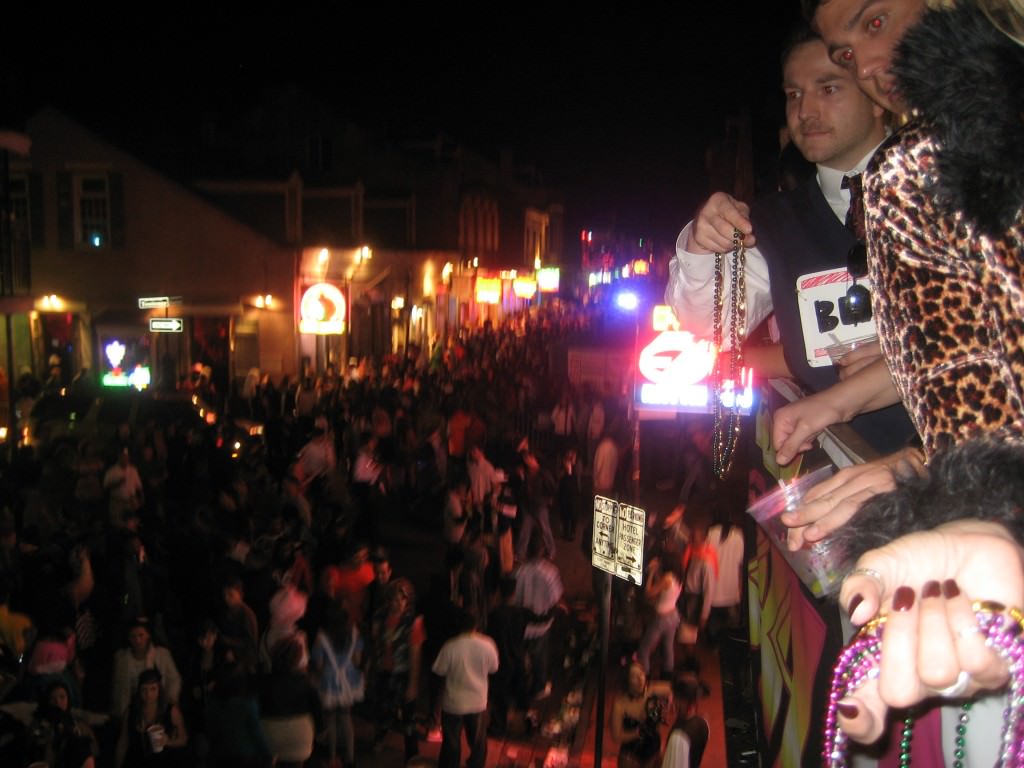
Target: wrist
[{"x": 691, "y": 245}]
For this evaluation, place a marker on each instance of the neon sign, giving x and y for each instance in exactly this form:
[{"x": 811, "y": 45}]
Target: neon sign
[
  {"x": 674, "y": 373},
  {"x": 523, "y": 288},
  {"x": 488, "y": 290},
  {"x": 322, "y": 310},
  {"x": 548, "y": 279}
]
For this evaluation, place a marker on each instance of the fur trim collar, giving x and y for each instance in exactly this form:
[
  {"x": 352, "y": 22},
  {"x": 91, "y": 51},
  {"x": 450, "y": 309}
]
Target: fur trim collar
[{"x": 966, "y": 80}]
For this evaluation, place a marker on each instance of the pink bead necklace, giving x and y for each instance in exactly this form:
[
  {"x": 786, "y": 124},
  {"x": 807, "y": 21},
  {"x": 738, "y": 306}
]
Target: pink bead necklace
[{"x": 860, "y": 660}]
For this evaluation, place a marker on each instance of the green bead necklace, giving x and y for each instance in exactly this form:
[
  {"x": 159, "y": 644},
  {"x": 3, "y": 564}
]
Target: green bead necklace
[
  {"x": 961, "y": 735},
  {"x": 960, "y": 741}
]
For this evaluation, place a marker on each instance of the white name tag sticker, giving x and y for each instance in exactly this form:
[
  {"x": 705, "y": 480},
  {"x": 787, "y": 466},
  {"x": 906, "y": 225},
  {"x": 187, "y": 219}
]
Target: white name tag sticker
[{"x": 825, "y": 315}]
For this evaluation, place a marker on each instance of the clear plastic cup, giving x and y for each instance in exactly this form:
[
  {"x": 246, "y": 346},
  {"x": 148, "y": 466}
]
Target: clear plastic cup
[
  {"x": 821, "y": 565},
  {"x": 157, "y": 738},
  {"x": 841, "y": 349}
]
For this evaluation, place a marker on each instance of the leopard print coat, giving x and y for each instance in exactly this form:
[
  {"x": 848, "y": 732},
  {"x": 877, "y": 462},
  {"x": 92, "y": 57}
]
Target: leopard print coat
[{"x": 948, "y": 299}]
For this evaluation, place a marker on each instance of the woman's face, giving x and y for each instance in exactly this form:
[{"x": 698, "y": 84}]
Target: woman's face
[
  {"x": 58, "y": 698},
  {"x": 149, "y": 692},
  {"x": 637, "y": 679},
  {"x": 399, "y": 601}
]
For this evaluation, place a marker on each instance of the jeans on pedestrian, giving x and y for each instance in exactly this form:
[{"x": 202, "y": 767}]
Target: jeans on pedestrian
[
  {"x": 535, "y": 518},
  {"x": 662, "y": 628},
  {"x": 475, "y": 724},
  {"x": 537, "y": 652}
]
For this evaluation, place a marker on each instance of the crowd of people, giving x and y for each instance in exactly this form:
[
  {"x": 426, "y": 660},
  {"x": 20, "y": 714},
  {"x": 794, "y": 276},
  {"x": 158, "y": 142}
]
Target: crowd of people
[{"x": 197, "y": 612}]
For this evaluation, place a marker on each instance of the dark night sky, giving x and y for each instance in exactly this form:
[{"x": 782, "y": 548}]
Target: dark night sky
[{"x": 615, "y": 104}]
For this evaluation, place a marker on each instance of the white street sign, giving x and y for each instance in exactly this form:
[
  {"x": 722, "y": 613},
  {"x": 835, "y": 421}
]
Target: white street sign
[
  {"x": 158, "y": 302},
  {"x": 618, "y": 541},
  {"x": 603, "y": 542},
  {"x": 629, "y": 544},
  {"x": 166, "y": 325}
]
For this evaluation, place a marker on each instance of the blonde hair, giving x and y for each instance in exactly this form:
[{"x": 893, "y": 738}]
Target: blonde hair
[{"x": 1006, "y": 15}]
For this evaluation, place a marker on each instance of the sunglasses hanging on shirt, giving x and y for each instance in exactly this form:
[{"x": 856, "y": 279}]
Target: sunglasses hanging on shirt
[{"x": 855, "y": 307}]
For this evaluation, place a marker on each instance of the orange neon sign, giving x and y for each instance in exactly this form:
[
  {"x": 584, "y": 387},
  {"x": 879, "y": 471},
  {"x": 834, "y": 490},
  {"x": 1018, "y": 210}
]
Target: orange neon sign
[{"x": 322, "y": 310}]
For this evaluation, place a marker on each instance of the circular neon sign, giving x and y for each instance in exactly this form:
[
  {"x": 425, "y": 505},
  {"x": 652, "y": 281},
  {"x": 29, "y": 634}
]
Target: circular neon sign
[{"x": 322, "y": 310}]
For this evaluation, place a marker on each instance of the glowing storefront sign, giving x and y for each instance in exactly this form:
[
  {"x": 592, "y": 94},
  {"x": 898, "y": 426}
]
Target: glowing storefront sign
[
  {"x": 139, "y": 378},
  {"x": 488, "y": 290},
  {"x": 548, "y": 279},
  {"x": 523, "y": 288},
  {"x": 322, "y": 310},
  {"x": 673, "y": 373}
]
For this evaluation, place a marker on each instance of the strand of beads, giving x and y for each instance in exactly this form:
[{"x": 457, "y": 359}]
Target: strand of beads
[
  {"x": 1003, "y": 630},
  {"x": 960, "y": 742},
  {"x": 1003, "y": 633},
  {"x": 857, "y": 663}
]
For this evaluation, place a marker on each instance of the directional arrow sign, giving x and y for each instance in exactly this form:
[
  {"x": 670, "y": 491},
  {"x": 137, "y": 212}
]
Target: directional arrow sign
[{"x": 166, "y": 325}]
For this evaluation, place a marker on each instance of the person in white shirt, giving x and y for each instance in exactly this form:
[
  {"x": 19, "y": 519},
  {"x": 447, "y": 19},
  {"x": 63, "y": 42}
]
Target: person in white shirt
[
  {"x": 465, "y": 662},
  {"x": 727, "y": 591},
  {"x": 484, "y": 483},
  {"x": 123, "y": 485},
  {"x": 129, "y": 663},
  {"x": 799, "y": 243},
  {"x": 606, "y": 465}
]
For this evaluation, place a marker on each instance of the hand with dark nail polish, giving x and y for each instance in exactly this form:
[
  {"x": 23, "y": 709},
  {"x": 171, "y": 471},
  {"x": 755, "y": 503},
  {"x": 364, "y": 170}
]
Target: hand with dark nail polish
[
  {"x": 855, "y": 601},
  {"x": 903, "y": 599},
  {"x": 931, "y": 589},
  {"x": 848, "y": 710}
]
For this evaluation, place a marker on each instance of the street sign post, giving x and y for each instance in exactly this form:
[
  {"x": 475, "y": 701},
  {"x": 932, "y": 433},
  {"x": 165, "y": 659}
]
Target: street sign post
[
  {"x": 166, "y": 325},
  {"x": 618, "y": 542},
  {"x": 617, "y": 549}
]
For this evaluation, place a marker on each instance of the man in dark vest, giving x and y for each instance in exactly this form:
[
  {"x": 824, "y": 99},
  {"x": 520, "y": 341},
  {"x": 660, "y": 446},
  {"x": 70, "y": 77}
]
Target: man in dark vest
[
  {"x": 689, "y": 735},
  {"x": 799, "y": 241}
]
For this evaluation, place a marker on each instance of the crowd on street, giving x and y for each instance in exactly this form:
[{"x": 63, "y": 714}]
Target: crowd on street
[{"x": 158, "y": 606}]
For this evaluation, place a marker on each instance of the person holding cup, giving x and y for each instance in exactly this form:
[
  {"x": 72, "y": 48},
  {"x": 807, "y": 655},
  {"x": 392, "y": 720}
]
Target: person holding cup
[{"x": 153, "y": 731}]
